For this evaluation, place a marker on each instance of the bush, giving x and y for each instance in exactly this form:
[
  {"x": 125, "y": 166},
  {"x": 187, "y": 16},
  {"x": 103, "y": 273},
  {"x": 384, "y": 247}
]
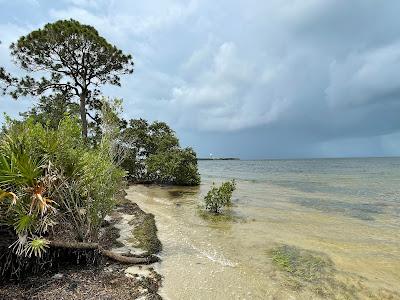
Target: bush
[
  {"x": 49, "y": 175},
  {"x": 34, "y": 160},
  {"x": 174, "y": 167},
  {"x": 154, "y": 155},
  {"x": 219, "y": 197}
]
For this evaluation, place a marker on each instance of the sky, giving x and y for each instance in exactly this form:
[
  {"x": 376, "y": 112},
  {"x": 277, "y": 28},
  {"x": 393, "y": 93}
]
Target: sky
[{"x": 249, "y": 79}]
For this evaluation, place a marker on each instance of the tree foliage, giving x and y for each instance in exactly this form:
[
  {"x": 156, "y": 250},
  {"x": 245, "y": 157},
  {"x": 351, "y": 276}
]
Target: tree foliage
[
  {"x": 73, "y": 59},
  {"x": 154, "y": 155},
  {"x": 219, "y": 197},
  {"x": 177, "y": 166},
  {"x": 50, "y": 110}
]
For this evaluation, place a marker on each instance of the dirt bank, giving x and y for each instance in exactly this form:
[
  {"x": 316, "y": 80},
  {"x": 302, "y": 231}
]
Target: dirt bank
[{"x": 86, "y": 275}]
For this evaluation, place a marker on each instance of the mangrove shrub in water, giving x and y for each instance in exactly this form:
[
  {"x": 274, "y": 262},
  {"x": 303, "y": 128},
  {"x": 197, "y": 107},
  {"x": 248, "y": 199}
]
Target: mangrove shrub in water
[{"x": 219, "y": 197}]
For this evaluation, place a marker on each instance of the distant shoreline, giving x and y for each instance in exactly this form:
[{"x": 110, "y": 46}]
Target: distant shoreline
[
  {"x": 222, "y": 158},
  {"x": 304, "y": 159}
]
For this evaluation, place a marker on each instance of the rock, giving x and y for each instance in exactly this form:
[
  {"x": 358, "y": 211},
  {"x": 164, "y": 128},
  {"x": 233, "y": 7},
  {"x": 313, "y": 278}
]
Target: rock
[
  {"x": 58, "y": 276},
  {"x": 109, "y": 269},
  {"x": 137, "y": 271},
  {"x": 72, "y": 286}
]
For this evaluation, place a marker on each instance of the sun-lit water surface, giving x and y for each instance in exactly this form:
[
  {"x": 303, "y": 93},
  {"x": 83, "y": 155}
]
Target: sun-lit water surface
[{"x": 348, "y": 209}]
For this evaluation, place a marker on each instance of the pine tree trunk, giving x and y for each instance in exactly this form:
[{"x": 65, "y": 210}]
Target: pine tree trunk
[{"x": 82, "y": 108}]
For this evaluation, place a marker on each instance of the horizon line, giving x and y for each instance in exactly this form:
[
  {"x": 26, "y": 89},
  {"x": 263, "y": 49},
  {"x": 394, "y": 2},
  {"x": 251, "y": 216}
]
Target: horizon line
[{"x": 297, "y": 158}]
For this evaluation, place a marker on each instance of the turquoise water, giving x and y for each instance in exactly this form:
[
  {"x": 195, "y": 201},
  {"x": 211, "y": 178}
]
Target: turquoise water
[{"x": 347, "y": 210}]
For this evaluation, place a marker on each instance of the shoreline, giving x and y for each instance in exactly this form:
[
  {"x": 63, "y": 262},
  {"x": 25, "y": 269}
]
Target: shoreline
[
  {"x": 197, "y": 251},
  {"x": 221, "y": 158},
  {"x": 136, "y": 205}
]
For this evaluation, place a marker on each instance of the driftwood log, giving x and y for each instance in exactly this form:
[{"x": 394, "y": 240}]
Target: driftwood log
[{"x": 107, "y": 253}]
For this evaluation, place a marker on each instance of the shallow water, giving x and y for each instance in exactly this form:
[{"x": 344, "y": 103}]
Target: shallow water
[{"x": 346, "y": 209}]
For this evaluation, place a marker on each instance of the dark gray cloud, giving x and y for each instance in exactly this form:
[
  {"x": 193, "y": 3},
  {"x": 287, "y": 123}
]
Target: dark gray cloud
[{"x": 248, "y": 78}]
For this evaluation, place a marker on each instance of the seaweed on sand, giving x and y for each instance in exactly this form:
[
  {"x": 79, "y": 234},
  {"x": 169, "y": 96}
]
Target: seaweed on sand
[
  {"x": 302, "y": 264},
  {"x": 145, "y": 233},
  {"x": 301, "y": 269}
]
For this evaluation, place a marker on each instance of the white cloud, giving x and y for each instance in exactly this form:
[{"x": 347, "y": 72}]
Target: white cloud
[
  {"x": 117, "y": 21},
  {"x": 310, "y": 71}
]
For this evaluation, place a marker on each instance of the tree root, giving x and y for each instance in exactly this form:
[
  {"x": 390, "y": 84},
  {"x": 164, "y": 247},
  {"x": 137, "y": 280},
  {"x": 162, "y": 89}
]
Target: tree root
[{"x": 107, "y": 253}]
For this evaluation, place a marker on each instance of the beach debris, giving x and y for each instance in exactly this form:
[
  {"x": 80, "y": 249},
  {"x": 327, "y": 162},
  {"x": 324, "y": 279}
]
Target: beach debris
[{"x": 58, "y": 276}]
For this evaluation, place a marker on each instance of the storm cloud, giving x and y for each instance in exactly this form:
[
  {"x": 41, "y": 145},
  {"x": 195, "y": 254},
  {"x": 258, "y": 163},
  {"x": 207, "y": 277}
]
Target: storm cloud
[{"x": 254, "y": 79}]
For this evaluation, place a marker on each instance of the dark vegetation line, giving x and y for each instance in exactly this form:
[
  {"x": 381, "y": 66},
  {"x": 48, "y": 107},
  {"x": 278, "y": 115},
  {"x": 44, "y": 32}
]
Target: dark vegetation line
[{"x": 220, "y": 158}]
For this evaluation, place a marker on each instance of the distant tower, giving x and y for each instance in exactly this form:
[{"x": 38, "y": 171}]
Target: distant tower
[{"x": 211, "y": 156}]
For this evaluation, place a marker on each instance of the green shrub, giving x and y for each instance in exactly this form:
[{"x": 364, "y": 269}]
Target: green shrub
[
  {"x": 178, "y": 166},
  {"x": 25, "y": 205},
  {"x": 49, "y": 175},
  {"x": 99, "y": 180},
  {"x": 219, "y": 197},
  {"x": 62, "y": 146},
  {"x": 50, "y": 110},
  {"x": 154, "y": 155}
]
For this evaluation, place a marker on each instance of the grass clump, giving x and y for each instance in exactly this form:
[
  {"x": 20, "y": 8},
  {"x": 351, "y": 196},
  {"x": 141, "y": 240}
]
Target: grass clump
[
  {"x": 145, "y": 234},
  {"x": 302, "y": 264}
]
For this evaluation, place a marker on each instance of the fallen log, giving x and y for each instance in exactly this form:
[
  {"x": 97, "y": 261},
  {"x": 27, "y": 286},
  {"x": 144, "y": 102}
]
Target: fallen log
[
  {"x": 107, "y": 253},
  {"x": 129, "y": 259},
  {"x": 74, "y": 245}
]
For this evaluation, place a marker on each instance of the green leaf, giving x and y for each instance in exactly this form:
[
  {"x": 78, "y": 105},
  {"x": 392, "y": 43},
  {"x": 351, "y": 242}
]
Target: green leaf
[
  {"x": 25, "y": 223},
  {"x": 37, "y": 247}
]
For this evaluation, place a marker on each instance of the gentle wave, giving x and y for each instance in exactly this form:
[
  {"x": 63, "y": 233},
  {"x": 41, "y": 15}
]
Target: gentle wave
[
  {"x": 215, "y": 256},
  {"x": 162, "y": 201}
]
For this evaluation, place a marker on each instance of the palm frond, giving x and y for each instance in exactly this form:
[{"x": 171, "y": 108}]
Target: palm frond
[
  {"x": 4, "y": 195},
  {"x": 25, "y": 223},
  {"x": 36, "y": 246}
]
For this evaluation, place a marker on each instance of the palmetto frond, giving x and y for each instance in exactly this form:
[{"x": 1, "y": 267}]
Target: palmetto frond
[
  {"x": 24, "y": 223},
  {"x": 30, "y": 245},
  {"x": 27, "y": 176},
  {"x": 11, "y": 195},
  {"x": 36, "y": 246},
  {"x": 19, "y": 245},
  {"x": 19, "y": 169}
]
